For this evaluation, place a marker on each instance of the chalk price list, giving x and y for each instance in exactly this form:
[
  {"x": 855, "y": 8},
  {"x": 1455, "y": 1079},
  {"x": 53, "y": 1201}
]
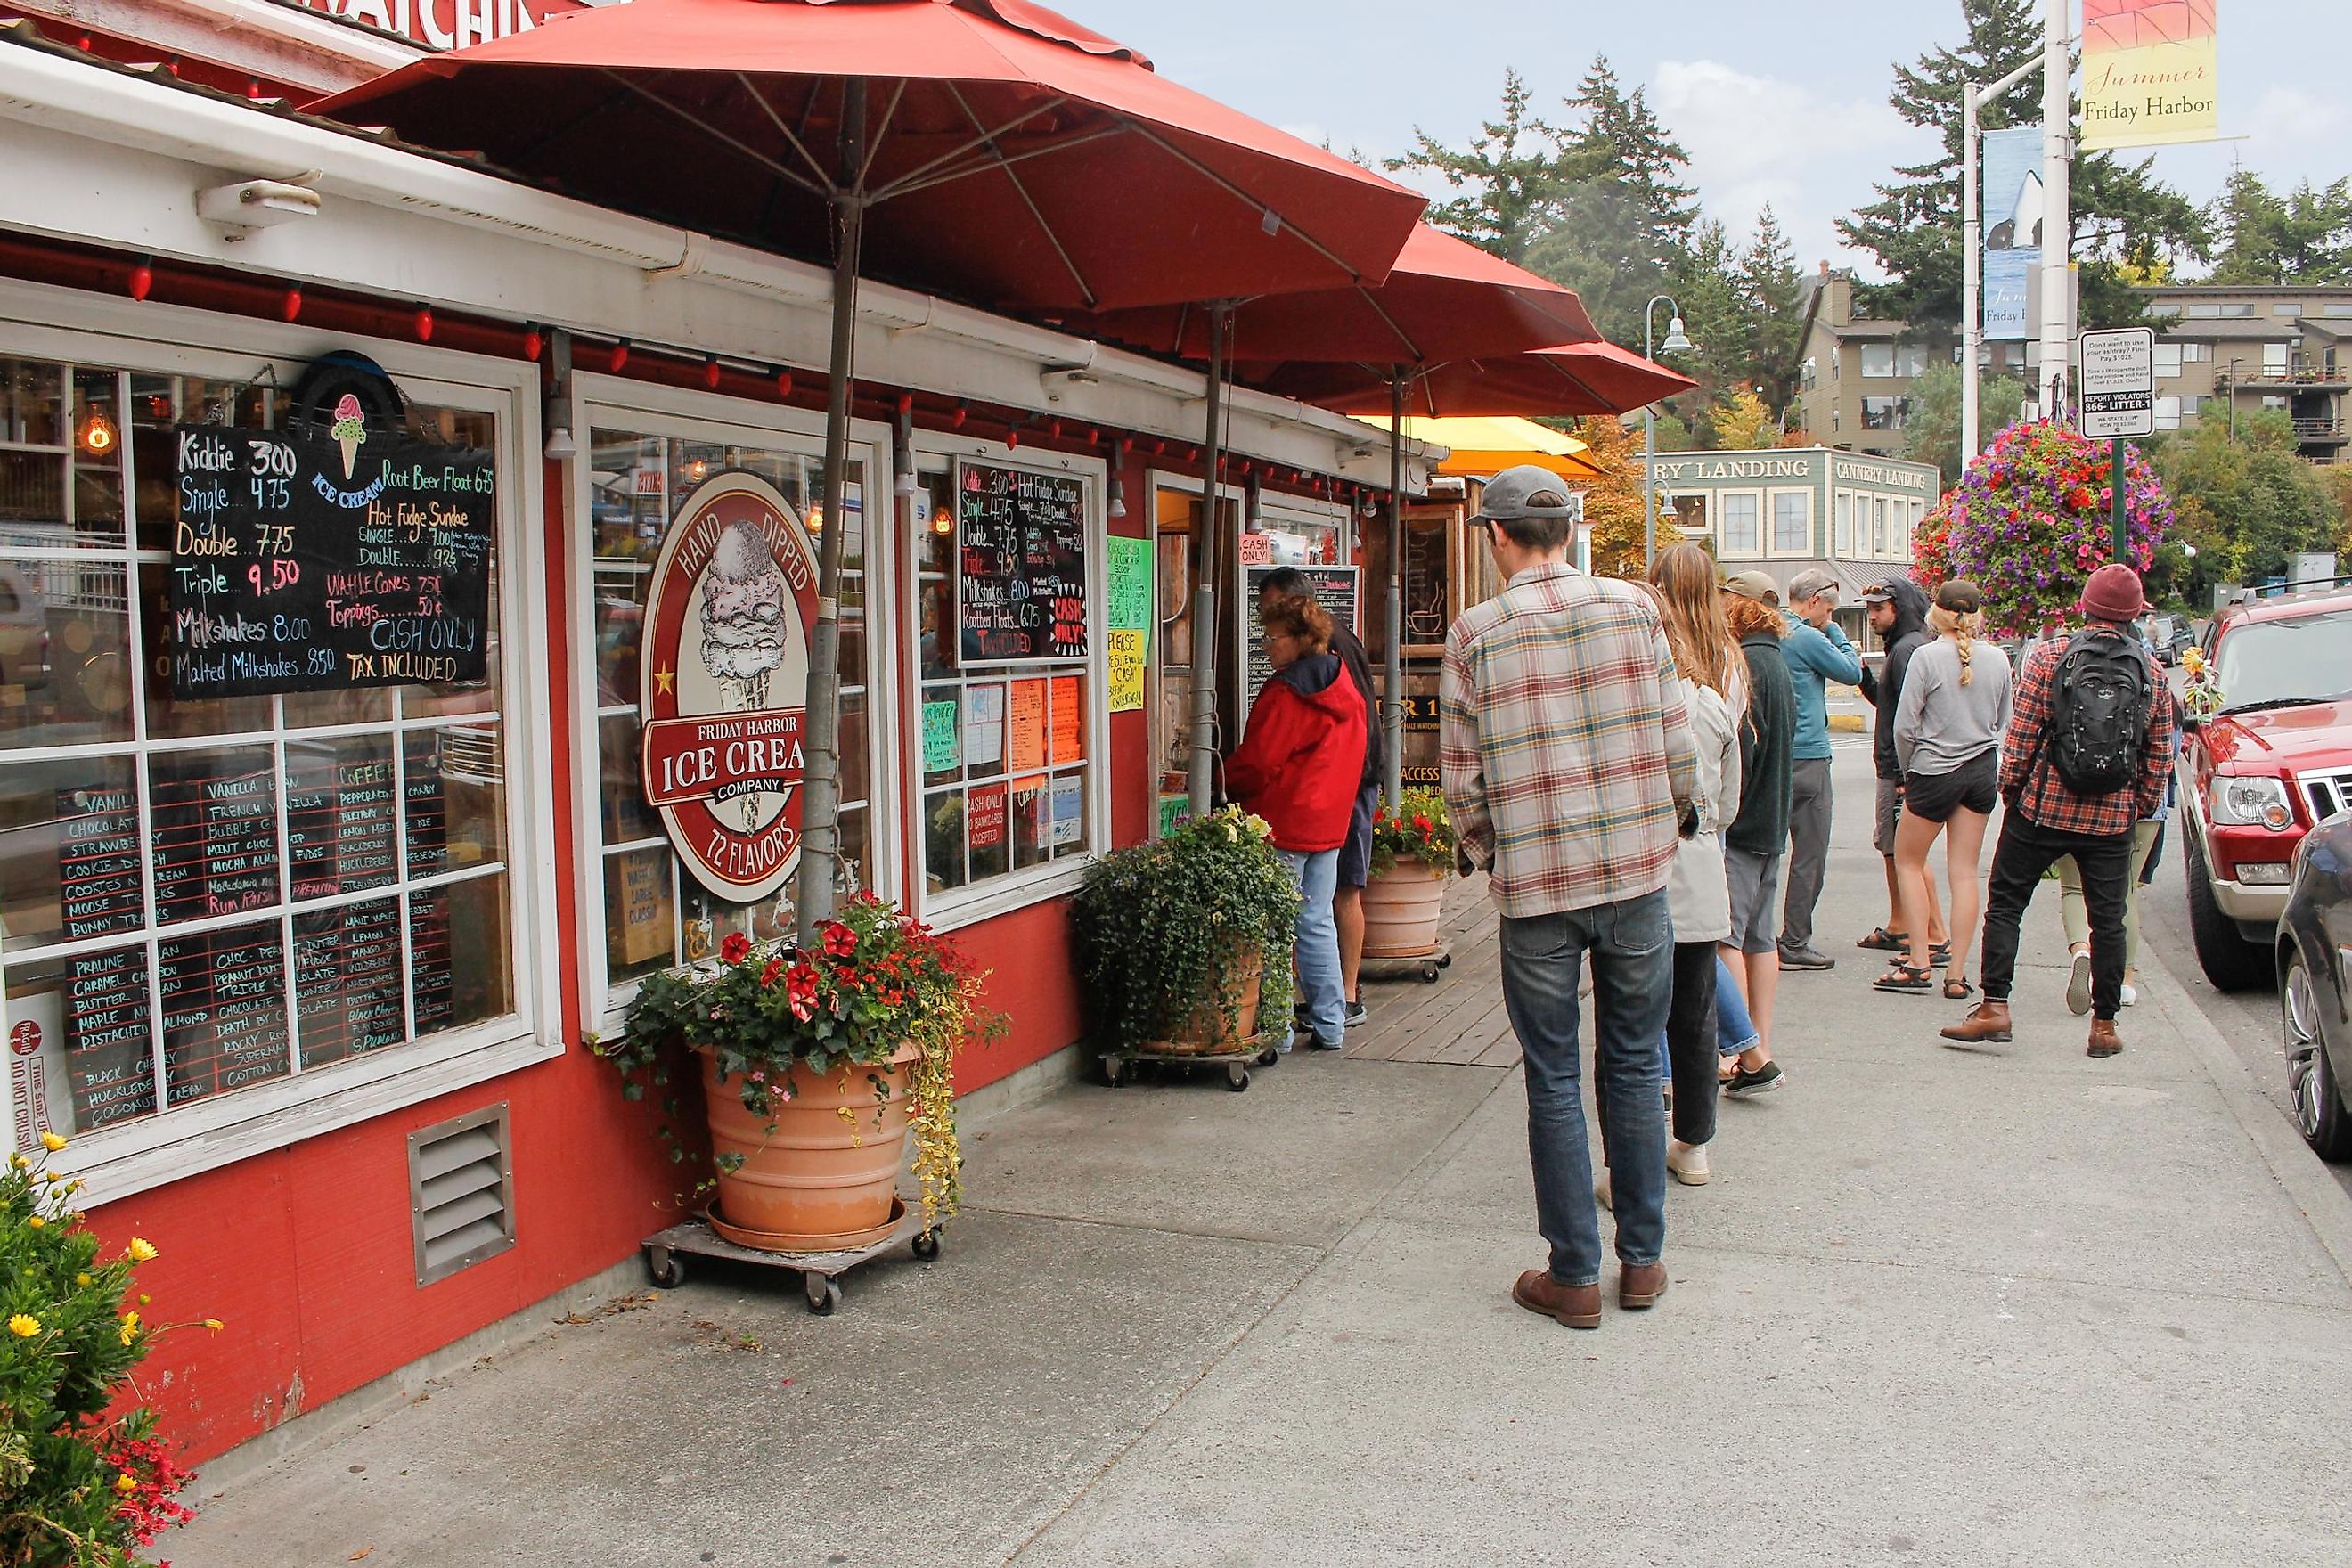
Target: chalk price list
[{"x": 1021, "y": 562}]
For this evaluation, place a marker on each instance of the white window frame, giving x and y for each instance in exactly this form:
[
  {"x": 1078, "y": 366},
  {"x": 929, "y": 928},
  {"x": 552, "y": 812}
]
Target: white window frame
[
  {"x": 1894, "y": 363},
  {"x": 1763, "y": 525},
  {"x": 1841, "y": 527},
  {"x": 2167, "y": 360},
  {"x": 953, "y": 909},
  {"x": 2281, "y": 355},
  {"x": 170, "y": 1145},
  {"x": 1771, "y": 522},
  {"x": 645, "y": 408},
  {"x": 2167, "y": 413}
]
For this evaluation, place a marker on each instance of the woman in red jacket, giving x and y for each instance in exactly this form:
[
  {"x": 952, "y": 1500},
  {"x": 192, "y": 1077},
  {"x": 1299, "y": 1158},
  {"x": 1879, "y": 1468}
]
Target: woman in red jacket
[{"x": 1298, "y": 766}]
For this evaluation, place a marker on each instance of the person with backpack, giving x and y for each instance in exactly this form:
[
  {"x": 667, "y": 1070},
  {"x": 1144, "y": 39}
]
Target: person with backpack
[{"x": 2088, "y": 750}]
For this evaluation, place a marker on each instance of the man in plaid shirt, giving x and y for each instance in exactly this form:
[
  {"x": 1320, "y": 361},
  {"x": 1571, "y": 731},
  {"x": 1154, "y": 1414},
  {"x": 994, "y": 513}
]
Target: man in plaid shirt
[
  {"x": 1570, "y": 771},
  {"x": 2046, "y": 821}
]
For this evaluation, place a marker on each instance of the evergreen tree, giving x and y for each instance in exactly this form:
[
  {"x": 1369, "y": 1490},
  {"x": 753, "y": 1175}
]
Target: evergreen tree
[
  {"x": 1512, "y": 177},
  {"x": 1772, "y": 293},
  {"x": 1716, "y": 315},
  {"x": 2305, "y": 237},
  {"x": 1931, "y": 425},
  {"x": 2121, "y": 215}
]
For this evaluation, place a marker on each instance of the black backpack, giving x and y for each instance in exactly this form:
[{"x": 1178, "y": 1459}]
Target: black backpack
[{"x": 2102, "y": 697}]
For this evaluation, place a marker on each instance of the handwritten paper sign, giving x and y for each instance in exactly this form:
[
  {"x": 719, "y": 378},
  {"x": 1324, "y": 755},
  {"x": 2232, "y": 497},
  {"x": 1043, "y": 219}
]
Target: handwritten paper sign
[
  {"x": 1127, "y": 660},
  {"x": 1027, "y": 724},
  {"x": 1070, "y": 722},
  {"x": 939, "y": 737},
  {"x": 985, "y": 820},
  {"x": 1020, "y": 554},
  {"x": 316, "y": 561},
  {"x": 1129, "y": 619},
  {"x": 983, "y": 726},
  {"x": 1069, "y": 812}
]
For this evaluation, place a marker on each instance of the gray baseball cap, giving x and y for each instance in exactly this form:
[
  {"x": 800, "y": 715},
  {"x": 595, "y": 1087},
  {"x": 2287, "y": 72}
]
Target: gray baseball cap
[
  {"x": 1812, "y": 583},
  {"x": 1525, "y": 491}
]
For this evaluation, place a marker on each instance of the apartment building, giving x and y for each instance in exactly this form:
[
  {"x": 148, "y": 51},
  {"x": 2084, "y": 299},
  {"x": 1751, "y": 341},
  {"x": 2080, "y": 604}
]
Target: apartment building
[{"x": 2225, "y": 351}]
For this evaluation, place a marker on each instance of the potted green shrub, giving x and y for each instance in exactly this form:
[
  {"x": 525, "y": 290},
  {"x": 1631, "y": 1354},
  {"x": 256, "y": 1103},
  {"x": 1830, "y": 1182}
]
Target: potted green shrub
[
  {"x": 85, "y": 1478},
  {"x": 1184, "y": 943},
  {"x": 817, "y": 1069},
  {"x": 1413, "y": 857}
]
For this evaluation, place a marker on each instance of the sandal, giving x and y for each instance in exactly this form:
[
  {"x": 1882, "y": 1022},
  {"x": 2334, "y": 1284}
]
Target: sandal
[
  {"x": 1884, "y": 941},
  {"x": 1903, "y": 977},
  {"x": 1956, "y": 989},
  {"x": 1940, "y": 955}
]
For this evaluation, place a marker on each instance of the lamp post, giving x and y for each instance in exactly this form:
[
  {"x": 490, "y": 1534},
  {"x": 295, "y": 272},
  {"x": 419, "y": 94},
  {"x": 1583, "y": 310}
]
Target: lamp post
[
  {"x": 1676, "y": 343},
  {"x": 1972, "y": 99}
]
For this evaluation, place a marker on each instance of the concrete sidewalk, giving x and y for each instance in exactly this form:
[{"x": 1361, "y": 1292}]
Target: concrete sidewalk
[{"x": 1937, "y": 1307}]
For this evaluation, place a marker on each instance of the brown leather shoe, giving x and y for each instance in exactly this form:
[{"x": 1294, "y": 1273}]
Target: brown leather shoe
[
  {"x": 1988, "y": 1020},
  {"x": 1638, "y": 1285},
  {"x": 1577, "y": 1306},
  {"x": 2105, "y": 1041}
]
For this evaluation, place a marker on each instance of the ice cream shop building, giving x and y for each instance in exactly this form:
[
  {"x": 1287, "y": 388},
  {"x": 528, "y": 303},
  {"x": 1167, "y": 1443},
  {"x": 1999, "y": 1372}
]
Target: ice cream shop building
[{"x": 319, "y": 857}]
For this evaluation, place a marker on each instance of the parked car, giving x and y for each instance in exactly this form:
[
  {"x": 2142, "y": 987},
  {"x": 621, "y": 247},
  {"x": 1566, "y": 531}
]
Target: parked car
[
  {"x": 2273, "y": 763},
  {"x": 2315, "y": 997}
]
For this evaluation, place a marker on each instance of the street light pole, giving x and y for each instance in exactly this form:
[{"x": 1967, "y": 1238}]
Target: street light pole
[
  {"x": 1676, "y": 343},
  {"x": 1973, "y": 98},
  {"x": 2057, "y": 215}
]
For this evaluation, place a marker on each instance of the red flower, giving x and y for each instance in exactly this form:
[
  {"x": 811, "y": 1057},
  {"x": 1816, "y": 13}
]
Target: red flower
[
  {"x": 775, "y": 967},
  {"x": 1421, "y": 824},
  {"x": 735, "y": 949},
  {"x": 800, "y": 990},
  {"x": 840, "y": 941}
]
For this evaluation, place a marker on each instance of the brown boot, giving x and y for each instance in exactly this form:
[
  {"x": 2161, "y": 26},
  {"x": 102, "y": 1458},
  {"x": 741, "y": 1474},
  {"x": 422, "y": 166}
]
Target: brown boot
[
  {"x": 1577, "y": 1306},
  {"x": 1640, "y": 1284},
  {"x": 2105, "y": 1041},
  {"x": 1988, "y": 1020}
]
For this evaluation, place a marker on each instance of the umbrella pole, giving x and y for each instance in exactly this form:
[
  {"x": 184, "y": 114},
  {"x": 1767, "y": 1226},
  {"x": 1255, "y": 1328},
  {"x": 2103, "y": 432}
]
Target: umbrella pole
[
  {"x": 1393, "y": 666},
  {"x": 821, "y": 783},
  {"x": 1204, "y": 597}
]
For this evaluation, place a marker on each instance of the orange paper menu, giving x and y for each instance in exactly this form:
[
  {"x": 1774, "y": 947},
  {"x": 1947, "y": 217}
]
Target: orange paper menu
[
  {"x": 1025, "y": 725},
  {"x": 1070, "y": 722}
]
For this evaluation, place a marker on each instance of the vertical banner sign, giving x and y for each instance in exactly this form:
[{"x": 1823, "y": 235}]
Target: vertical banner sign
[
  {"x": 725, "y": 684},
  {"x": 2149, "y": 73},
  {"x": 1129, "y": 622},
  {"x": 2012, "y": 191}
]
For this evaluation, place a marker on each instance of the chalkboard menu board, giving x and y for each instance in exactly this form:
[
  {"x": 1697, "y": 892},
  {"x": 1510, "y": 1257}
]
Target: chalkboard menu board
[
  {"x": 223, "y": 1010},
  {"x": 339, "y": 827},
  {"x": 108, "y": 1063},
  {"x": 327, "y": 559},
  {"x": 97, "y": 862},
  {"x": 347, "y": 973},
  {"x": 1020, "y": 545},
  {"x": 215, "y": 849},
  {"x": 1337, "y": 589}
]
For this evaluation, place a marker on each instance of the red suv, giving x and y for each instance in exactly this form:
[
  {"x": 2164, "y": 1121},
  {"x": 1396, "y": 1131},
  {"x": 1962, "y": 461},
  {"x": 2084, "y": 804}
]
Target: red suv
[{"x": 2255, "y": 777}]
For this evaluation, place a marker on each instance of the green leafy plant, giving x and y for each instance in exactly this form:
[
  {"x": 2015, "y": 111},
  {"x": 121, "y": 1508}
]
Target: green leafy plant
[
  {"x": 1418, "y": 832},
  {"x": 1164, "y": 930},
  {"x": 84, "y": 1479},
  {"x": 877, "y": 980}
]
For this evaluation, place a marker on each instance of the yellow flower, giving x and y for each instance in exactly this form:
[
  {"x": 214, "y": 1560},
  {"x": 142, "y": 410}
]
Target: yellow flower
[
  {"x": 139, "y": 1250},
  {"x": 18, "y": 1162},
  {"x": 126, "y": 1483},
  {"x": 214, "y": 1325},
  {"x": 23, "y": 1325},
  {"x": 146, "y": 1299},
  {"x": 1259, "y": 826},
  {"x": 130, "y": 1332},
  {"x": 36, "y": 1222},
  {"x": 129, "y": 1320},
  {"x": 82, "y": 1280},
  {"x": 52, "y": 1142}
]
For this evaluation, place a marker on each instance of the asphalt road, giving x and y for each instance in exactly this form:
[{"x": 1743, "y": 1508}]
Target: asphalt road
[{"x": 2249, "y": 1020}]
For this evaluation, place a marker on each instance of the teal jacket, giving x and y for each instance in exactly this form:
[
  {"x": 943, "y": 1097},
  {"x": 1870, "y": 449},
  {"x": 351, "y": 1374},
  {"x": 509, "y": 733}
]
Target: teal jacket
[{"x": 1813, "y": 658}]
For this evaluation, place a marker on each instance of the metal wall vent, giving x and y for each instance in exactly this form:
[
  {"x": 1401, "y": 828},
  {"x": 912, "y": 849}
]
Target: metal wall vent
[{"x": 461, "y": 1193}]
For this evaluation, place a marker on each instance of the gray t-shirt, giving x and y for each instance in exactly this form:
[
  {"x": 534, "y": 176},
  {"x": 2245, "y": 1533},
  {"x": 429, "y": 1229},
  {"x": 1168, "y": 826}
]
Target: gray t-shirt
[{"x": 1942, "y": 725}]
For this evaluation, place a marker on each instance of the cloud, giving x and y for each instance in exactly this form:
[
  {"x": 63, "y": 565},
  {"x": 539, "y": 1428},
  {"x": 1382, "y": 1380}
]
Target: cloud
[
  {"x": 1755, "y": 140},
  {"x": 2287, "y": 121}
]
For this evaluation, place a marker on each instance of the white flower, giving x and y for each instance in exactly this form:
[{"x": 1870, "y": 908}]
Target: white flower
[{"x": 1259, "y": 828}]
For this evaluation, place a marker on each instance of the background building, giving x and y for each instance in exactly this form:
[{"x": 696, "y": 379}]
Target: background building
[{"x": 2225, "y": 351}]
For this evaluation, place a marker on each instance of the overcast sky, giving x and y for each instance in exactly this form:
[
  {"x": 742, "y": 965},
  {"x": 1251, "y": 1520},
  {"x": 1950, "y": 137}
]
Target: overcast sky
[{"x": 1783, "y": 103}]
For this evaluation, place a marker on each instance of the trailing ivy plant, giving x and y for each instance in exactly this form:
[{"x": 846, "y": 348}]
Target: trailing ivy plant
[{"x": 1161, "y": 927}]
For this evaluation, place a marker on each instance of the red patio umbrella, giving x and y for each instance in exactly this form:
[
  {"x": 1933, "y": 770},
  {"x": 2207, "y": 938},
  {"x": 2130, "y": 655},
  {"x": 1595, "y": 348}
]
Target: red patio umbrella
[
  {"x": 1553, "y": 382},
  {"x": 998, "y": 152}
]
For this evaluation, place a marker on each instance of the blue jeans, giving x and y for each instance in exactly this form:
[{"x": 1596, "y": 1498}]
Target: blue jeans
[
  {"x": 1735, "y": 1031},
  {"x": 1632, "y": 944},
  {"x": 1321, "y": 996}
]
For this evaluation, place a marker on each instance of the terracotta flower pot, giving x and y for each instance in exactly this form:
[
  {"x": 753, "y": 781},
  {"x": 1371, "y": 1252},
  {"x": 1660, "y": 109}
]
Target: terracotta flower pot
[
  {"x": 1403, "y": 907},
  {"x": 823, "y": 1180},
  {"x": 1208, "y": 1032}
]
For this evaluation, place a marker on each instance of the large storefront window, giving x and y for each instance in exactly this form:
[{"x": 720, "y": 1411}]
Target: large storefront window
[
  {"x": 1005, "y": 654},
  {"x": 657, "y": 912},
  {"x": 198, "y": 896}
]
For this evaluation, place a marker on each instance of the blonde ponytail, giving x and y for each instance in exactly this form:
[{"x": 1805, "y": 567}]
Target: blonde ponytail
[{"x": 1964, "y": 630}]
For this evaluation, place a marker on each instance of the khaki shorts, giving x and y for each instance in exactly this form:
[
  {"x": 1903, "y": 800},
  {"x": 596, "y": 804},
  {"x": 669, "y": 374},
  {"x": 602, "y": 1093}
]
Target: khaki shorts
[{"x": 1887, "y": 810}]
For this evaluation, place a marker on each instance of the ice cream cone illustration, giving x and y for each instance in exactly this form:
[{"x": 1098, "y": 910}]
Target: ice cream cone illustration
[
  {"x": 743, "y": 594},
  {"x": 350, "y": 430}
]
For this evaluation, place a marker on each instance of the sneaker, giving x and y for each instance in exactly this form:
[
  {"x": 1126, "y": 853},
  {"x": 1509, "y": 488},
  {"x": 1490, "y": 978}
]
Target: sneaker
[
  {"x": 1320, "y": 1043},
  {"x": 2131, "y": 995},
  {"x": 1686, "y": 1162},
  {"x": 2078, "y": 985},
  {"x": 1356, "y": 1013},
  {"x": 1805, "y": 957},
  {"x": 1743, "y": 1084}
]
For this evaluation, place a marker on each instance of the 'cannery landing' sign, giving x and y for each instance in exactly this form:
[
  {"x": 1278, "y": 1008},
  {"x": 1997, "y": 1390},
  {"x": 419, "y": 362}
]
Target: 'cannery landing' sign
[
  {"x": 327, "y": 558},
  {"x": 723, "y": 676}
]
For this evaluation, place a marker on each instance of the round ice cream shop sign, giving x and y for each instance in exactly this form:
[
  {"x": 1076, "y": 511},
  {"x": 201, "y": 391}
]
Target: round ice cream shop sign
[{"x": 724, "y": 674}]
